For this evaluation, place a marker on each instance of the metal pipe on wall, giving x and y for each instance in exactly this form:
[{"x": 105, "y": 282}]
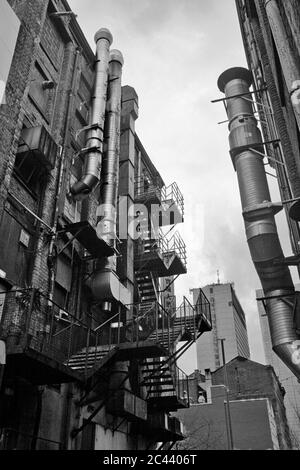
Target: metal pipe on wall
[
  {"x": 107, "y": 228},
  {"x": 95, "y": 134},
  {"x": 246, "y": 150},
  {"x": 105, "y": 284}
]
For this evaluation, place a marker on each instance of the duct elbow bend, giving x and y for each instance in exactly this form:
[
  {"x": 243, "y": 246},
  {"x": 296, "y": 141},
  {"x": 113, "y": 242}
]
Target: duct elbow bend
[
  {"x": 83, "y": 188},
  {"x": 289, "y": 353}
]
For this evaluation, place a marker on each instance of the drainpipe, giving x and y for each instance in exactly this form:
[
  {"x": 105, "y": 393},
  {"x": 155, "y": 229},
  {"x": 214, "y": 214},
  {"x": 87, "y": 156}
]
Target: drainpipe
[
  {"x": 94, "y": 142},
  {"x": 290, "y": 67},
  {"x": 105, "y": 284},
  {"x": 258, "y": 212}
]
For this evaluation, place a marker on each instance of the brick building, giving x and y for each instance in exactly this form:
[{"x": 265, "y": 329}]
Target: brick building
[
  {"x": 91, "y": 351},
  {"x": 272, "y": 52},
  {"x": 258, "y": 417}
]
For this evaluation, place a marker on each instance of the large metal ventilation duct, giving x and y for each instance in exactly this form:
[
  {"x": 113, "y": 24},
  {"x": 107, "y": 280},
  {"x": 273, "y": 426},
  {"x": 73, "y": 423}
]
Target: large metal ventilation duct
[
  {"x": 110, "y": 166},
  {"x": 258, "y": 212},
  {"x": 104, "y": 283},
  {"x": 94, "y": 141}
]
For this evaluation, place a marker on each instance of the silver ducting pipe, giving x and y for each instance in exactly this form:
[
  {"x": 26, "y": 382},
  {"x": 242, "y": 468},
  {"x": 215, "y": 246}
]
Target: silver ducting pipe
[
  {"x": 94, "y": 141},
  {"x": 105, "y": 284},
  {"x": 246, "y": 150},
  {"x": 107, "y": 212}
]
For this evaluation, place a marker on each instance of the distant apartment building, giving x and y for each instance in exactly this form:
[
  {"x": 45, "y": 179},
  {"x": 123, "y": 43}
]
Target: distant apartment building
[
  {"x": 228, "y": 322},
  {"x": 257, "y": 411},
  {"x": 288, "y": 380}
]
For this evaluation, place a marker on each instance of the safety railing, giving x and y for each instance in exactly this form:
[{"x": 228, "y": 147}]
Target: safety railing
[
  {"x": 174, "y": 245},
  {"x": 203, "y": 308},
  {"x": 158, "y": 383},
  {"x": 171, "y": 195},
  {"x": 186, "y": 317},
  {"x": 11, "y": 439},
  {"x": 30, "y": 319},
  {"x": 146, "y": 189},
  {"x": 164, "y": 246}
]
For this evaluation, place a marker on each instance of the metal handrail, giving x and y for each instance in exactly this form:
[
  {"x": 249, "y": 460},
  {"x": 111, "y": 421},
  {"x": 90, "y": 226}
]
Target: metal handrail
[
  {"x": 30, "y": 436},
  {"x": 105, "y": 323},
  {"x": 173, "y": 193}
]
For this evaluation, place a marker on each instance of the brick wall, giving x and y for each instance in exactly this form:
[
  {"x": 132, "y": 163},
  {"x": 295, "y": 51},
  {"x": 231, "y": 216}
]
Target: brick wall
[{"x": 247, "y": 380}]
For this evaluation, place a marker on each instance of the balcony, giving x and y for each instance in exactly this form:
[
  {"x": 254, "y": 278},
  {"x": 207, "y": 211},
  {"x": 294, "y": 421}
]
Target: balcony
[
  {"x": 168, "y": 200},
  {"x": 86, "y": 235},
  {"x": 40, "y": 338},
  {"x": 11, "y": 439},
  {"x": 47, "y": 345},
  {"x": 163, "y": 256},
  {"x": 147, "y": 192}
]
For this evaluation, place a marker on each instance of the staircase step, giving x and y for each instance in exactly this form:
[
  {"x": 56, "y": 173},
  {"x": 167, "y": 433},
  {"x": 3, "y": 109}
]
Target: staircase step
[{"x": 161, "y": 383}]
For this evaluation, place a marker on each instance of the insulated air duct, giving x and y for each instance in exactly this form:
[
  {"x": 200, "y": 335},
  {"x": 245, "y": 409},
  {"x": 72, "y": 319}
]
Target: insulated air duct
[
  {"x": 94, "y": 141},
  {"x": 246, "y": 150},
  {"x": 105, "y": 284}
]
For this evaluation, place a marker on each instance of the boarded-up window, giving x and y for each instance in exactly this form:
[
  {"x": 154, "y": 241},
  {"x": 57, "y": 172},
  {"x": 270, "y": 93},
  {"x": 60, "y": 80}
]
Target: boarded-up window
[{"x": 39, "y": 92}]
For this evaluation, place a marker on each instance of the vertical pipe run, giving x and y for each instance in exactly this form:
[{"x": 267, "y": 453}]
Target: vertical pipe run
[
  {"x": 258, "y": 212},
  {"x": 94, "y": 141},
  {"x": 107, "y": 228},
  {"x": 104, "y": 283}
]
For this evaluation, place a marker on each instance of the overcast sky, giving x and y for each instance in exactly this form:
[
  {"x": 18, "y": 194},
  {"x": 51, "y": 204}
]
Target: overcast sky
[{"x": 174, "y": 52}]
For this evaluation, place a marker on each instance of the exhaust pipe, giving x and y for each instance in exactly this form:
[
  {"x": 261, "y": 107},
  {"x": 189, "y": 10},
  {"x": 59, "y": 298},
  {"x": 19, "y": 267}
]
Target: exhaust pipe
[
  {"x": 105, "y": 284},
  {"x": 246, "y": 148},
  {"x": 94, "y": 141}
]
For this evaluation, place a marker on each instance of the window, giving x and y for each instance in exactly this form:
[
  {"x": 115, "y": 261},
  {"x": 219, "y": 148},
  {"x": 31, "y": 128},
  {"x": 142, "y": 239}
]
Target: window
[
  {"x": 42, "y": 91},
  {"x": 27, "y": 167},
  {"x": 211, "y": 290},
  {"x": 30, "y": 173}
]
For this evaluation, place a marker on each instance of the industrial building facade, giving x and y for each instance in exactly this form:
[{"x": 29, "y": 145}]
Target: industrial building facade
[
  {"x": 89, "y": 327},
  {"x": 228, "y": 322}
]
